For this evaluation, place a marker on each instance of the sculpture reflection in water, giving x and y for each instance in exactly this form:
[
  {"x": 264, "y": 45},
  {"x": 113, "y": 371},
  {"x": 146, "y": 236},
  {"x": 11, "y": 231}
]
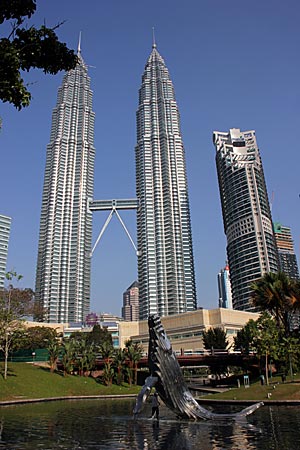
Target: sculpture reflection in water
[{"x": 169, "y": 383}]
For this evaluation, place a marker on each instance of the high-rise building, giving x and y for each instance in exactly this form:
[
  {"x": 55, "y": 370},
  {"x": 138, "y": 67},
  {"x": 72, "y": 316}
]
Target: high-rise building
[
  {"x": 251, "y": 247},
  {"x": 130, "y": 309},
  {"x": 165, "y": 255},
  {"x": 224, "y": 286},
  {"x": 287, "y": 258},
  {"x": 63, "y": 266},
  {"x": 5, "y": 223}
]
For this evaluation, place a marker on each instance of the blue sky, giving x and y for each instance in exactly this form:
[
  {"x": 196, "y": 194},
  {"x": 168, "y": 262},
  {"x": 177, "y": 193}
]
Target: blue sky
[{"x": 233, "y": 64}]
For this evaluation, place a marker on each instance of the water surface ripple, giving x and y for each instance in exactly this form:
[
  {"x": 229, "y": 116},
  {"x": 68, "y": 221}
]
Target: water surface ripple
[{"x": 109, "y": 425}]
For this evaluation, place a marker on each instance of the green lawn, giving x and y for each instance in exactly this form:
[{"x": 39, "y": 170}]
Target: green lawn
[
  {"x": 30, "y": 381},
  {"x": 278, "y": 390}
]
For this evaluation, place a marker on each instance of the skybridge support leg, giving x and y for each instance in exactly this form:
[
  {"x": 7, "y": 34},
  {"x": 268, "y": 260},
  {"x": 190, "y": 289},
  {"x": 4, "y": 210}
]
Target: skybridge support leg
[
  {"x": 113, "y": 206},
  {"x": 102, "y": 231},
  {"x": 126, "y": 231}
]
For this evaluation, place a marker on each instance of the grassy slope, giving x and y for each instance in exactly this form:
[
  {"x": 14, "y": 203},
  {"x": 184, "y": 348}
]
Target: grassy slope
[
  {"x": 28, "y": 381},
  {"x": 282, "y": 391}
]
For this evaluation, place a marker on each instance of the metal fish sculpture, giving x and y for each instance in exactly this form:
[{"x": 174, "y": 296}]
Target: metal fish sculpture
[{"x": 169, "y": 383}]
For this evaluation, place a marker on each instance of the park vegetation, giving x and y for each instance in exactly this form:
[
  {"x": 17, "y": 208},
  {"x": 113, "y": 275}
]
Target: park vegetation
[
  {"x": 85, "y": 354},
  {"x": 275, "y": 336},
  {"x": 15, "y": 304},
  {"x": 274, "y": 339},
  {"x": 81, "y": 354}
]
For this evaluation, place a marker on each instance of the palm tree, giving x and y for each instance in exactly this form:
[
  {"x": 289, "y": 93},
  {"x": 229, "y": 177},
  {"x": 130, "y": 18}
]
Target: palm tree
[
  {"x": 108, "y": 373},
  {"x": 69, "y": 356},
  {"x": 53, "y": 350},
  {"x": 86, "y": 357},
  {"x": 119, "y": 363},
  {"x": 107, "y": 350},
  {"x": 134, "y": 353},
  {"x": 276, "y": 293},
  {"x": 295, "y": 298}
]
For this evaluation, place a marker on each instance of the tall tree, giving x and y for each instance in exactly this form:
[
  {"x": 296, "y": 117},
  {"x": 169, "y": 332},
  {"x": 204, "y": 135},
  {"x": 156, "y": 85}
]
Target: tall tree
[
  {"x": 290, "y": 353},
  {"x": 215, "y": 338},
  {"x": 15, "y": 304},
  {"x": 27, "y": 47},
  {"x": 38, "y": 337},
  {"x": 243, "y": 341},
  {"x": 99, "y": 335},
  {"x": 276, "y": 293},
  {"x": 267, "y": 340}
]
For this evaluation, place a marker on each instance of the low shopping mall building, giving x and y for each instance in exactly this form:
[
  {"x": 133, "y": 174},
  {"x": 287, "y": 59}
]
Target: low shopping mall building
[{"x": 185, "y": 330}]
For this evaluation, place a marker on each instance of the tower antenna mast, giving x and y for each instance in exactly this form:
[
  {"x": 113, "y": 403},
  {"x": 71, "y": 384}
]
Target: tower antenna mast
[
  {"x": 153, "y": 38},
  {"x": 79, "y": 44}
]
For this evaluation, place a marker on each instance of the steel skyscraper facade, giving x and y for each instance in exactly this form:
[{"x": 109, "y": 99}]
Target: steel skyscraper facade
[
  {"x": 224, "y": 287},
  {"x": 251, "y": 247},
  {"x": 63, "y": 266},
  {"x": 5, "y": 224},
  {"x": 130, "y": 308},
  {"x": 165, "y": 255},
  {"x": 285, "y": 245}
]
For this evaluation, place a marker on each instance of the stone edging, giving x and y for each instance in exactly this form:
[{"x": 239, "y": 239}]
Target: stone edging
[
  {"x": 250, "y": 402},
  {"x": 71, "y": 397},
  {"x": 120, "y": 396}
]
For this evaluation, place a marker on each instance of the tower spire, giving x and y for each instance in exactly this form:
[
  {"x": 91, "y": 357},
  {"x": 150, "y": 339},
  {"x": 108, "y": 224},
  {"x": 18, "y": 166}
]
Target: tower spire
[
  {"x": 153, "y": 38},
  {"x": 79, "y": 45}
]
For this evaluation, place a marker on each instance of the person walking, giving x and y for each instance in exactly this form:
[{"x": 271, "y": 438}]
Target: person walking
[{"x": 155, "y": 406}]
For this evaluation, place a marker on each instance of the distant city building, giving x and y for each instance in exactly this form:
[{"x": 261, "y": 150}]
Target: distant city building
[
  {"x": 64, "y": 251},
  {"x": 165, "y": 254},
  {"x": 130, "y": 309},
  {"x": 105, "y": 320},
  {"x": 287, "y": 257},
  {"x": 224, "y": 285},
  {"x": 111, "y": 322},
  {"x": 5, "y": 224},
  {"x": 92, "y": 319},
  {"x": 108, "y": 317},
  {"x": 251, "y": 247}
]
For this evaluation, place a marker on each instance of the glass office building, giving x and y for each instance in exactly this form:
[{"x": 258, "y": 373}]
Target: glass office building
[
  {"x": 251, "y": 247},
  {"x": 5, "y": 224}
]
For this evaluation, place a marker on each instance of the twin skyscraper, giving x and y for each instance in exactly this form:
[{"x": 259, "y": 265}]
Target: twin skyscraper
[{"x": 164, "y": 241}]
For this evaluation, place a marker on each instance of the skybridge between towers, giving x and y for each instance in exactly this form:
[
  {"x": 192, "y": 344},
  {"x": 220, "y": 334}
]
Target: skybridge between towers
[{"x": 113, "y": 206}]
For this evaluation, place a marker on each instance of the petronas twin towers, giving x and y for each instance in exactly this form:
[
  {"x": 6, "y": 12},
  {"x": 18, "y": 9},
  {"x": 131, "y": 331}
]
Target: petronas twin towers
[
  {"x": 164, "y": 241},
  {"x": 63, "y": 265},
  {"x": 165, "y": 267}
]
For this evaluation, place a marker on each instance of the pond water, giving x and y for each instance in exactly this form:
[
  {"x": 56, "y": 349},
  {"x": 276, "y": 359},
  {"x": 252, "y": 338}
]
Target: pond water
[{"x": 108, "y": 424}]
